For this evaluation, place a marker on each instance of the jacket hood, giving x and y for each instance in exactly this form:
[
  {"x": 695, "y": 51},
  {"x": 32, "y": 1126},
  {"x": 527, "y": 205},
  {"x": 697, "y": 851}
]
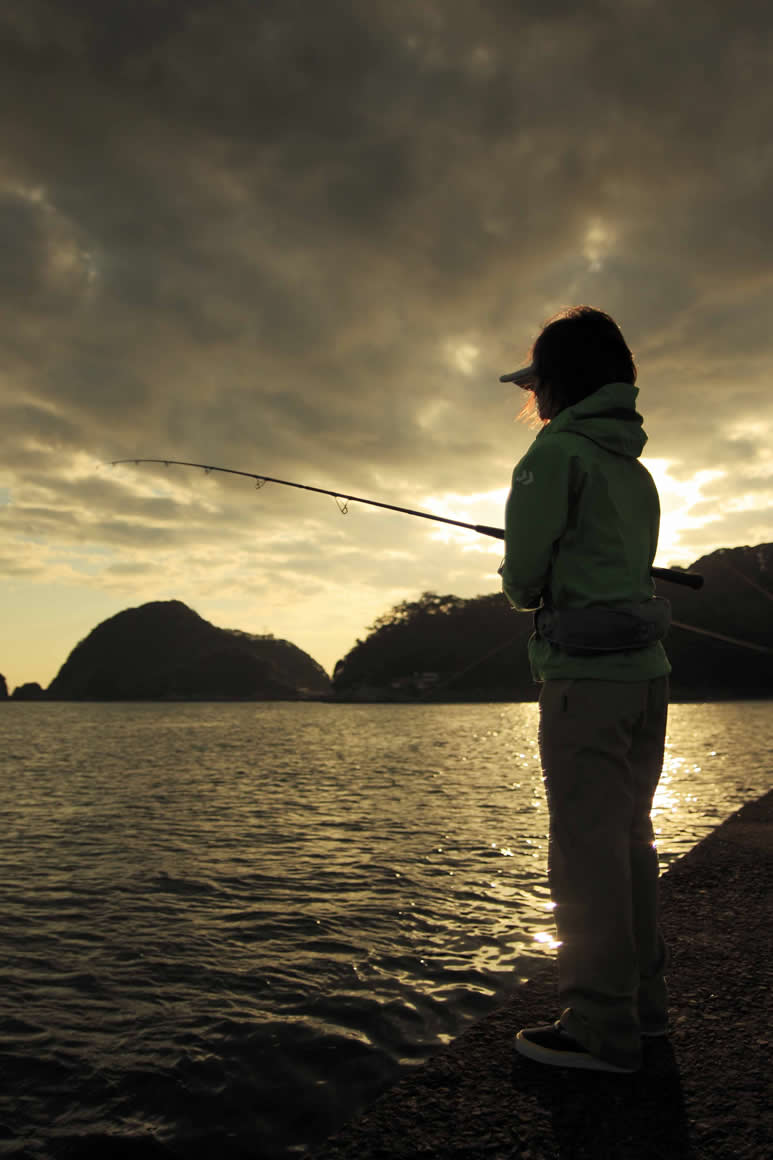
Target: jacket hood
[{"x": 608, "y": 418}]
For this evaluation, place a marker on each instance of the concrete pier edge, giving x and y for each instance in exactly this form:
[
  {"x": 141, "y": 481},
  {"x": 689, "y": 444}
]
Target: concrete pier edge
[{"x": 703, "y": 1093}]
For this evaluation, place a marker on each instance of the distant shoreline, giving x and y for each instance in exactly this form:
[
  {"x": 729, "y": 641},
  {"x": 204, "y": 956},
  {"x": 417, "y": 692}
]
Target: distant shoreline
[{"x": 683, "y": 696}]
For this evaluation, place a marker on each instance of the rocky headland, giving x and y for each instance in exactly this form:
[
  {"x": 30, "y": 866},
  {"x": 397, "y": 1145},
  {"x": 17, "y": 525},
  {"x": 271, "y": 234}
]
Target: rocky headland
[{"x": 165, "y": 651}]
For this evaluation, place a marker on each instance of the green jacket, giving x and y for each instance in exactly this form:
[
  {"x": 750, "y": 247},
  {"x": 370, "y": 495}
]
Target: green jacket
[{"x": 581, "y": 528}]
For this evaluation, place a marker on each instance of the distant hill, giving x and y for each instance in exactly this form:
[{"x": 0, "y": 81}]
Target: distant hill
[
  {"x": 442, "y": 647},
  {"x": 447, "y": 647},
  {"x": 165, "y": 650}
]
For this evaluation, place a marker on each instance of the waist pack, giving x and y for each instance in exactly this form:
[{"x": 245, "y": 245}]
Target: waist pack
[{"x": 604, "y": 628}]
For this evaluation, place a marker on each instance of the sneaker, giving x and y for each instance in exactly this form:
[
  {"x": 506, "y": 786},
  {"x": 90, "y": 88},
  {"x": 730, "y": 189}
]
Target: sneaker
[{"x": 552, "y": 1044}]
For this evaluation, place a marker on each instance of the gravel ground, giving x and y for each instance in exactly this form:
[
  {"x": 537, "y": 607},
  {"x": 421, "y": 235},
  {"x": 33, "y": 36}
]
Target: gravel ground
[{"x": 704, "y": 1093}]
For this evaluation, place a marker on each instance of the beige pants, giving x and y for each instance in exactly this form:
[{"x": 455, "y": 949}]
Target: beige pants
[{"x": 601, "y": 744}]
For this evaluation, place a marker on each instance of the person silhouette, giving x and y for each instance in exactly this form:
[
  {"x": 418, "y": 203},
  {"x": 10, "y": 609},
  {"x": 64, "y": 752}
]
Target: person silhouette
[{"x": 581, "y": 532}]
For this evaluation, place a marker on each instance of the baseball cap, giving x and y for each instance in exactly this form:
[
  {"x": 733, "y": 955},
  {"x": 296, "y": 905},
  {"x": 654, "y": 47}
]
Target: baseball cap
[{"x": 522, "y": 378}]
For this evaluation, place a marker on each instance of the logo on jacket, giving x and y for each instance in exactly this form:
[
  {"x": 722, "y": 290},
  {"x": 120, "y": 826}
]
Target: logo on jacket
[{"x": 524, "y": 477}]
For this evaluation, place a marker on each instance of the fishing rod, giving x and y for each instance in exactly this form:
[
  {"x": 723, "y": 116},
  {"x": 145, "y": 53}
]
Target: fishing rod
[{"x": 673, "y": 575}]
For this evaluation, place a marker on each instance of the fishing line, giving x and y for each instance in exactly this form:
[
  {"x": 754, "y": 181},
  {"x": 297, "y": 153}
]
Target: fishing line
[
  {"x": 721, "y": 636},
  {"x": 747, "y": 579}
]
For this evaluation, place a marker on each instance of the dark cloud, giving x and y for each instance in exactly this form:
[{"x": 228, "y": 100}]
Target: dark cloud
[{"x": 307, "y": 239}]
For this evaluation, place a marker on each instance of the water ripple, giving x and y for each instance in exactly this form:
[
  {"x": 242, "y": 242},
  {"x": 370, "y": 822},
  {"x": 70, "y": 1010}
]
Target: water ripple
[{"x": 216, "y": 915}]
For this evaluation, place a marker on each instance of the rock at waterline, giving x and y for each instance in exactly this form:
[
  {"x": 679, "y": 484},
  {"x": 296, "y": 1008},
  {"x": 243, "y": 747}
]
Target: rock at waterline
[{"x": 31, "y": 691}]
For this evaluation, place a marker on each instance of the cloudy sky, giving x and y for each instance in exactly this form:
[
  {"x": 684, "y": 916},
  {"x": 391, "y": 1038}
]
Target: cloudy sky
[{"x": 306, "y": 238}]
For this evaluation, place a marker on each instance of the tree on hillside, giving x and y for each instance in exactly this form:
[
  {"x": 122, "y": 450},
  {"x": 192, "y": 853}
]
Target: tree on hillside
[
  {"x": 443, "y": 636},
  {"x": 478, "y": 646}
]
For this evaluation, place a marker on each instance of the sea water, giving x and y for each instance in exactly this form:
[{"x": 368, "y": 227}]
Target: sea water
[{"x": 225, "y": 928}]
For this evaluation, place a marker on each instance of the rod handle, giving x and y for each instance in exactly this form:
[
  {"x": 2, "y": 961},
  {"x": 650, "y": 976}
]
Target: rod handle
[{"x": 677, "y": 576}]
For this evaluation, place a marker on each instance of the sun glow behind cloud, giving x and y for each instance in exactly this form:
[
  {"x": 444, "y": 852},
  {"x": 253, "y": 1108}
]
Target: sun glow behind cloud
[
  {"x": 477, "y": 508},
  {"x": 677, "y": 499}
]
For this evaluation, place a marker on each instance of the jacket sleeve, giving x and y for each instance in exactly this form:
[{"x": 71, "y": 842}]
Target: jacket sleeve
[{"x": 535, "y": 518}]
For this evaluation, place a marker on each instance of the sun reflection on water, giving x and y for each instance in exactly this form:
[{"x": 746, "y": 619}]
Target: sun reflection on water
[{"x": 547, "y": 940}]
